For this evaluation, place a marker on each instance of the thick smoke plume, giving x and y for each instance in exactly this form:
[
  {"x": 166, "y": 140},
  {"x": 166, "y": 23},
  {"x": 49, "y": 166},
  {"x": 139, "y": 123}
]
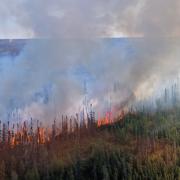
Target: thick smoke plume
[{"x": 46, "y": 79}]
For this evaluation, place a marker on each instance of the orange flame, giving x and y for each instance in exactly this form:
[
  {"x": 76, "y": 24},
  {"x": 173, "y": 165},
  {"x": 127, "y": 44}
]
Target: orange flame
[{"x": 108, "y": 118}]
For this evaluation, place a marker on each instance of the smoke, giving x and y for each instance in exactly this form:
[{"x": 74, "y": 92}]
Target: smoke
[
  {"x": 84, "y": 19},
  {"x": 139, "y": 66},
  {"x": 159, "y": 18},
  {"x": 47, "y": 78},
  {"x": 40, "y": 78}
]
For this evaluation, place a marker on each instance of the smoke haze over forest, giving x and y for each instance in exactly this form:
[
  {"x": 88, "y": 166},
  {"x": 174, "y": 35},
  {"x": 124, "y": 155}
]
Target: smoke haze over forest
[
  {"x": 46, "y": 78},
  {"x": 72, "y": 42}
]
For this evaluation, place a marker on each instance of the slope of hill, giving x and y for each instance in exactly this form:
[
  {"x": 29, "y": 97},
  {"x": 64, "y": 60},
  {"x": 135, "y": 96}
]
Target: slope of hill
[{"x": 139, "y": 146}]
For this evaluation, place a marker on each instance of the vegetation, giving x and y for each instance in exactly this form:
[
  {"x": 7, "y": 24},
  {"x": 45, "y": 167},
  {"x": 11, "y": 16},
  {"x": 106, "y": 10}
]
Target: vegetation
[{"x": 140, "y": 146}]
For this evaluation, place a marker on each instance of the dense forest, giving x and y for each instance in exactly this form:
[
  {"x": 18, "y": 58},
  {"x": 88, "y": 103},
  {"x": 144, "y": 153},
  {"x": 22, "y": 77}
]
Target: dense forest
[{"x": 140, "y": 145}]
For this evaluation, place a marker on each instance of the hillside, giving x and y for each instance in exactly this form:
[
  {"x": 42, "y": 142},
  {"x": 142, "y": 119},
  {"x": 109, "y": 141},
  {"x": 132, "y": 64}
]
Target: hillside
[{"x": 139, "y": 146}]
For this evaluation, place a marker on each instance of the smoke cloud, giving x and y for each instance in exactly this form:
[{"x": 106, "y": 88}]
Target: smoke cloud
[
  {"x": 47, "y": 77},
  {"x": 84, "y": 19}
]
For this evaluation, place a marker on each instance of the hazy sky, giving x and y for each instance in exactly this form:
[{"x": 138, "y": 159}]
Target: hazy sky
[{"x": 89, "y": 18}]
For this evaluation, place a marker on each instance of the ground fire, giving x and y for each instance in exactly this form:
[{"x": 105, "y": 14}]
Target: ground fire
[{"x": 34, "y": 132}]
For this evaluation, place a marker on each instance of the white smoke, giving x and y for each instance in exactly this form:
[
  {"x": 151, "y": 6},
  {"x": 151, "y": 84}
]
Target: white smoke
[
  {"x": 43, "y": 80},
  {"x": 47, "y": 78},
  {"x": 69, "y": 18}
]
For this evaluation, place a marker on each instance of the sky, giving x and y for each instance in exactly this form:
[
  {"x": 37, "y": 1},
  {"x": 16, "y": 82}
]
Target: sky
[
  {"x": 84, "y": 19},
  {"x": 124, "y": 49}
]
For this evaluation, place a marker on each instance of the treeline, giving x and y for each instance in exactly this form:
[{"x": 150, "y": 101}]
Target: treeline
[
  {"x": 158, "y": 125},
  {"x": 101, "y": 165}
]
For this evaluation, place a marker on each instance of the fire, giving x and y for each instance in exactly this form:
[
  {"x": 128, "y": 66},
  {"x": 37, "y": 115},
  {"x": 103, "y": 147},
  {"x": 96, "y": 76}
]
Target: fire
[
  {"x": 108, "y": 118},
  {"x": 28, "y": 133},
  {"x": 24, "y": 134}
]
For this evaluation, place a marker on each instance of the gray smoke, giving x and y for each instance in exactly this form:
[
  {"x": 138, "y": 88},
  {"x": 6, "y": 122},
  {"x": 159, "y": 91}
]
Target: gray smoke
[
  {"x": 46, "y": 79},
  {"x": 69, "y": 18}
]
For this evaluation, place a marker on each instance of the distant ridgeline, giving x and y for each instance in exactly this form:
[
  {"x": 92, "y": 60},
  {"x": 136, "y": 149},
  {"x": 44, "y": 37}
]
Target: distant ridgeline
[{"x": 11, "y": 47}]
